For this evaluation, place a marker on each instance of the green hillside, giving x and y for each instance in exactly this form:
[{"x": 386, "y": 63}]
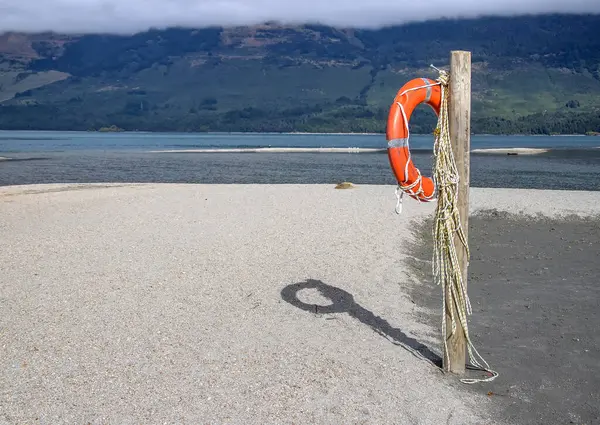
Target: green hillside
[{"x": 530, "y": 75}]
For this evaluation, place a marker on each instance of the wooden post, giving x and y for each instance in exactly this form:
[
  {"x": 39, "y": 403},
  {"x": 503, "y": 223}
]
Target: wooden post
[{"x": 459, "y": 114}]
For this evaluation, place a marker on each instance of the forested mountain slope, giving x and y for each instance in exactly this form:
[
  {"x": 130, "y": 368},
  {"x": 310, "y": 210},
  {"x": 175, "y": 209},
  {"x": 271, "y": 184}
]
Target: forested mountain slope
[{"x": 530, "y": 75}]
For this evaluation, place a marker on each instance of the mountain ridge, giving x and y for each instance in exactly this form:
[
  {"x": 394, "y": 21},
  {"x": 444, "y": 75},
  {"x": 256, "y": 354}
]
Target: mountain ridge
[{"x": 531, "y": 74}]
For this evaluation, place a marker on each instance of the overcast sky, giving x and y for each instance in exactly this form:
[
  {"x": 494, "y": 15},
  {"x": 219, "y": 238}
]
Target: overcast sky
[{"x": 126, "y": 16}]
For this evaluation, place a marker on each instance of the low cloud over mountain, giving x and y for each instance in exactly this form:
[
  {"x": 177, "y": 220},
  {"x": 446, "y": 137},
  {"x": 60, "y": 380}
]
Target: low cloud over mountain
[{"x": 128, "y": 16}]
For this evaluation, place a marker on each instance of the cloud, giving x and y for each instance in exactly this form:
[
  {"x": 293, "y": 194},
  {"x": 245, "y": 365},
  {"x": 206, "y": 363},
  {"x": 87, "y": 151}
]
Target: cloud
[{"x": 127, "y": 16}]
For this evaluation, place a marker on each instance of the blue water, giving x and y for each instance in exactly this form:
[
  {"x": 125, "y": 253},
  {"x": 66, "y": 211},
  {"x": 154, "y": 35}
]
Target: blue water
[
  {"x": 78, "y": 157},
  {"x": 46, "y": 141}
]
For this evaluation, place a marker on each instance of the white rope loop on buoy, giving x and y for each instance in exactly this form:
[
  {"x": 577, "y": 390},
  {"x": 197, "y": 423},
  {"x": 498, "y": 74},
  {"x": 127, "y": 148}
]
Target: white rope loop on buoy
[{"x": 419, "y": 181}]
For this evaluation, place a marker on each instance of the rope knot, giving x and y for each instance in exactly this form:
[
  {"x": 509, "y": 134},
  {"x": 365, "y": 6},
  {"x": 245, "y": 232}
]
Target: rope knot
[{"x": 444, "y": 78}]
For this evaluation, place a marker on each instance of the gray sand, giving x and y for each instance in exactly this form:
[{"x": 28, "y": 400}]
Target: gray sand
[
  {"x": 534, "y": 287},
  {"x": 194, "y": 304}
]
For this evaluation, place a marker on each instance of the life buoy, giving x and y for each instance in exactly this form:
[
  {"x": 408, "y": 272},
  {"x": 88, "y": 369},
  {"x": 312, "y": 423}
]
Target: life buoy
[{"x": 413, "y": 93}]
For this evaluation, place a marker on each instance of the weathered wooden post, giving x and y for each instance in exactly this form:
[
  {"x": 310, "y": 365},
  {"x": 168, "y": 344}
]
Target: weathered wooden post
[{"x": 459, "y": 115}]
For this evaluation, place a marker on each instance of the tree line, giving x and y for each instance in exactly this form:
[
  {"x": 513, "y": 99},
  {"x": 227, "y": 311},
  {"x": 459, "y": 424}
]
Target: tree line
[{"x": 316, "y": 118}]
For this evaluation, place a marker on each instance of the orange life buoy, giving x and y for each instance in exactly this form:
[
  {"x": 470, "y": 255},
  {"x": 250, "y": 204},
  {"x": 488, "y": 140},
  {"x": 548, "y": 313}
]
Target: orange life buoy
[{"x": 413, "y": 93}]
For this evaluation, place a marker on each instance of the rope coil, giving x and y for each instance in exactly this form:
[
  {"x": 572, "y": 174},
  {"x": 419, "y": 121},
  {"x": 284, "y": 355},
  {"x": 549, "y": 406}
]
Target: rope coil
[{"x": 446, "y": 267}]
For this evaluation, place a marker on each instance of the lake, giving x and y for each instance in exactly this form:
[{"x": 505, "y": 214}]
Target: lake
[{"x": 573, "y": 162}]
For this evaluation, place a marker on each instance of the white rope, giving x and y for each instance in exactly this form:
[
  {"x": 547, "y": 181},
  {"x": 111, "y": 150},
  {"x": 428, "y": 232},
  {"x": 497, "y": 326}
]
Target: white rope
[
  {"x": 399, "y": 195},
  {"x": 446, "y": 267}
]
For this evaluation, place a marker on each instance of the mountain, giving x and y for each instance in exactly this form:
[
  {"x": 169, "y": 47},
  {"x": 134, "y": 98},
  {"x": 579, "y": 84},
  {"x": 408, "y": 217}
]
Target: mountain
[{"x": 531, "y": 74}]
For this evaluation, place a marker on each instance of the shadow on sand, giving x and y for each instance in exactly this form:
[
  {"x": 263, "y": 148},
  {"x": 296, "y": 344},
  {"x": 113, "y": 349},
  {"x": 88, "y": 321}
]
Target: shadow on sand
[{"x": 343, "y": 302}]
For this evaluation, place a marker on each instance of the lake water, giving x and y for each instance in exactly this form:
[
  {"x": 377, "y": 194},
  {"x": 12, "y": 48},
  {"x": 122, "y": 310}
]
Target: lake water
[{"x": 573, "y": 162}]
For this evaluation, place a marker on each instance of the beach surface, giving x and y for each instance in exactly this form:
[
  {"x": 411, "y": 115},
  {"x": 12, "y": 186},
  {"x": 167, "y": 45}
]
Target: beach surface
[{"x": 256, "y": 304}]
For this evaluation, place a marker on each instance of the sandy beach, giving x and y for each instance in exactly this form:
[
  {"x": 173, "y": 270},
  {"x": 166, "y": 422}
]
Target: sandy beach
[{"x": 288, "y": 304}]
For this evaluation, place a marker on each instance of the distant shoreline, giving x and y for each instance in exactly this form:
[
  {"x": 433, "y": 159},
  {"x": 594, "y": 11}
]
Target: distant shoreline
[
  {"x": 292, "y": 133},
  {"x": 273, "y": 150},
  {"x": 358, "y": 150}
]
